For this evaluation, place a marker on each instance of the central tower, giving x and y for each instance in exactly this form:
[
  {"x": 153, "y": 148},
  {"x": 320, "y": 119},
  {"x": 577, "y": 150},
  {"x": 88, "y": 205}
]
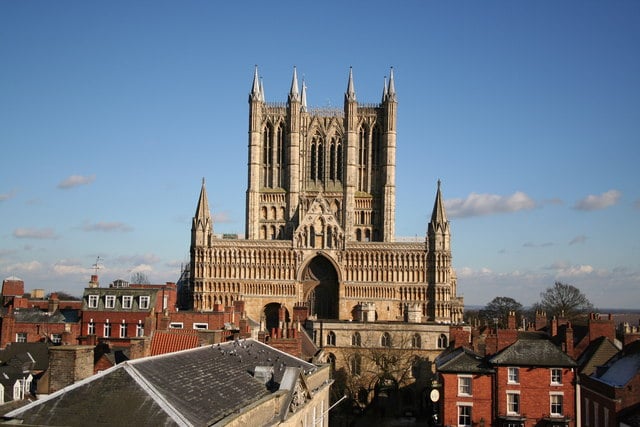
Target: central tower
[{"x": 339, "y": 163}]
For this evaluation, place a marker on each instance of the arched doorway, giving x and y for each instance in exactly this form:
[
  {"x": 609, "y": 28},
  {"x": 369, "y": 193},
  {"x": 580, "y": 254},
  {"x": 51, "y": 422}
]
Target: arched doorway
[
  {"x": 273, "y": 315},
  {"x": 322, "y": 298}
]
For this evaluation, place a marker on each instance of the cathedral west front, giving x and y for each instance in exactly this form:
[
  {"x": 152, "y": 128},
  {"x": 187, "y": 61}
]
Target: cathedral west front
[{"x": 320, "y": 222}]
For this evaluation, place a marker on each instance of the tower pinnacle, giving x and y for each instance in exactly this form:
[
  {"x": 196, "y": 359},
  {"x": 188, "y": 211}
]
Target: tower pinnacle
[
  {"x": 294, "y": 94},
  {"x": 392, "y": 86},
  {"x": 351, "y": 91},
  {"x": 256, "y": 87}
]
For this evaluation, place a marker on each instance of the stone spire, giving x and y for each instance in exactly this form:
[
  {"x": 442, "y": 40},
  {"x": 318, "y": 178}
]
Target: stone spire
[
  {"x": 351, "y": 91},
  {"x": 385, "y": 92},
  {"x": 439, "y": 216},
  {"x": 256, "y": 88},
  {"x": 392, "y": 87},
  {"x": 294, "y": 94},
  {"x": 202, "y": 225}
]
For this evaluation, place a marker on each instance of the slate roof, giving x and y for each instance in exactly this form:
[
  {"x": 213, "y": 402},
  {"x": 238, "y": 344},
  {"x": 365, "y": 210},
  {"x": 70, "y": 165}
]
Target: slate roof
[
  {"x": 39, "y": 351},
  {"x": 619, "y": 372},
  {"x": 193, "y": 387},
  {"x": 463, "y": 360},
  {"x": 597, "y": 353},
  {"x": 538, "y": 352},
  {"x": 35, "y": 315}
]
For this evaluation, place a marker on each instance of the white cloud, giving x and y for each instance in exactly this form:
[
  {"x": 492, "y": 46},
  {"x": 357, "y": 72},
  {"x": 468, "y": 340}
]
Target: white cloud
[
  {"x": 142, "y": 259},
  {"x": 578, "y": 240},
  {"x": 488, "y": 204},
  {"x": 76, "y": 180},
  {"x": 34, "y": 233},
  {"x": 222, "y": 217},
  {"x": 6, "y": 196},
  {"x": 107, "y": 227},
  {"x": 29, "y": 266},
  {"x": 564, "y": 269},
  {"x": 68, "y": 267},
  {"x": 595, "y": 202}
]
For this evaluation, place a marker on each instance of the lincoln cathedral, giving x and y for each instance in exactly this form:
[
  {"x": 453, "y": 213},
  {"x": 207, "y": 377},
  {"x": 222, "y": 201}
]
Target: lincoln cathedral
[{"x": 320, "y": 222}]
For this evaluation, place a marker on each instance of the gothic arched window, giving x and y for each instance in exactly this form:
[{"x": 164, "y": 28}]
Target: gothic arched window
[
  {"x": 385, "y": 340},
  {"x": 416, "y": 341},
  {"x": 356, "y": 364},
  {"x": 331, "y": 338},
  {"x": 442, "y": 341},
  {"x": 356, "y": 340}
]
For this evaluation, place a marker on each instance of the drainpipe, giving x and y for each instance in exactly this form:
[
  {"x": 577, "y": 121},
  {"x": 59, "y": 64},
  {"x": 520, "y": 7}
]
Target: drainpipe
[{"x": 578, "y": 408}]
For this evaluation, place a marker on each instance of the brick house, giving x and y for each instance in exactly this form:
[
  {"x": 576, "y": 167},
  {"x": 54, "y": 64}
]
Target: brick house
[
  {"x": 32, "y": 318},
  {"x": 534, "y": 385},
  {"x": 611, "y": 392},
  {"x": 467, "y": 388},
  {"x": 124, "y": 312}
]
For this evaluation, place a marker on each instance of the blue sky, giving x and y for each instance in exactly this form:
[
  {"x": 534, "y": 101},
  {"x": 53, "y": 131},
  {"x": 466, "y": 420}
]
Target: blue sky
[{"x": 529, "y": 112}]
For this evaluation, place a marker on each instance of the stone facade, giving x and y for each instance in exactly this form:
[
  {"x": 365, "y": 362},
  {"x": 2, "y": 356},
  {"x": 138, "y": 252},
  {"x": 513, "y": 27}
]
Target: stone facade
[{"x": 320, "y": 222}]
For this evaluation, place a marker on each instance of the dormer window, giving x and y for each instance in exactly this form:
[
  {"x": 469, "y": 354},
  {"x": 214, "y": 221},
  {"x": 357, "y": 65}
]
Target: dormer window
[
  {"x": 109, "y": 301},
  {"x": 127, "y": 301},
  {"x": 93, "y": 301},
  {"x": 144, "y": 302}
]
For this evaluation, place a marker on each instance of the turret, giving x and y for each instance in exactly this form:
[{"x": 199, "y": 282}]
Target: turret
[
  {"x": 256, "y": 107},
  {"x": 202, "y": 225},
  {"x": 439, "y": 270},
  {"x": 351, "y": 136},
  {"x": 295, "y": 107},
  {"x": 390, "y": 106}
]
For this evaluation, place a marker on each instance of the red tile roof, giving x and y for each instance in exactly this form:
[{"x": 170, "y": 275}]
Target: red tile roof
[{"x": 169, "y": 341}]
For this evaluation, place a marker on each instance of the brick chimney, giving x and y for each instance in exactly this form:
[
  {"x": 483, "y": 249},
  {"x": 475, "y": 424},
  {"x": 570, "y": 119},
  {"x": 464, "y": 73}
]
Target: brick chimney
[
  {"x": 554, "y": 327},
  {"x": 600, "y": 326},
  {"x": 69, "y": 364},
  {"x": 541, "y": 320},
  {"x": 511, "y": 320},
  {"x": 54, "y": 302},
  {"x": 568, "y": 339}
]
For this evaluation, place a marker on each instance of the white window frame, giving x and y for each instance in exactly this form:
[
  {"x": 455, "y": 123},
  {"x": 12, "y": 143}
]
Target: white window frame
[
  {"x": 127, "y": 302},
  {"x": 176, "y": 325},
  {"x": 513, "y": 375},
  {"x": 56, "y": 338},
  {"x": 553, "y": 396},
  {"x": 556, "y": 376},
  {"x": 106, "y": 329},
  {"x": 200, "y": 325},
  {"x": 139, "y": 329},
  {"x": 109, "y": 301},
  {"x": 462, "y": 379},
  {"x": 17, "y": 390},
  {"x": 21, "y": 337},
  {"x": 144, "y": 301},
  {"x": 468, "y": 407},
  {"x": 91, "y": 327},
  {"x": 514, "y": 394},
  {"x": 92, "y": 301},
  {"x": 123, "y": 329}
]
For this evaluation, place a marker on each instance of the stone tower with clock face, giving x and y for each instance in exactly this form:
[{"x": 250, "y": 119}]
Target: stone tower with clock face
[{"x": 320, "y": 222}]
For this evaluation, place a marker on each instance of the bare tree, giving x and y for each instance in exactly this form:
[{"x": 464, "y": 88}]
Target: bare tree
[
  {"x": 139, "y": 278},
  {"x": 499, "y": 308},
  {"x": 564, "y": 300}
]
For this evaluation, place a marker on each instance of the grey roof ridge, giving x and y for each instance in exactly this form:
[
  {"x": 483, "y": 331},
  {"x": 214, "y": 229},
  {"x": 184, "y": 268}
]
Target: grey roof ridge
[
  {"x": 312, "y": 369},
  {"x": 155, "y": 394},
  {"x": 62, "y": 391}
]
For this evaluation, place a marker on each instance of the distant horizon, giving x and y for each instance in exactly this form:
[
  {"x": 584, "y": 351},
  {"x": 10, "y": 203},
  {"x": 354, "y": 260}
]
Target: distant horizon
[{"x": 529, "y": 114}]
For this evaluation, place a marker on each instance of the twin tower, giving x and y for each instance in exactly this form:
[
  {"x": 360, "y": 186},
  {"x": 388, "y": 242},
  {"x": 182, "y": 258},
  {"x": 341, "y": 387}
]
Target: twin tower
[{"x": 320, "y": 220}]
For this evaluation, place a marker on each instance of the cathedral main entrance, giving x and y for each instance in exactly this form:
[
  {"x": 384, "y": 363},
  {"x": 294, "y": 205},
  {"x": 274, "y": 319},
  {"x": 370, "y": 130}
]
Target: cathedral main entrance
[{"x": 321, "y": 288}]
